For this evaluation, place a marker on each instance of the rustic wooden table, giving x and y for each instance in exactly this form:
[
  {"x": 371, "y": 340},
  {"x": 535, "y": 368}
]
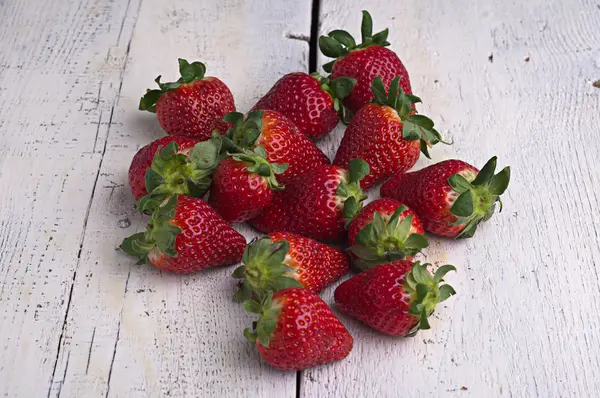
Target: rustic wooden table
[{"x": 79, "y": 319}]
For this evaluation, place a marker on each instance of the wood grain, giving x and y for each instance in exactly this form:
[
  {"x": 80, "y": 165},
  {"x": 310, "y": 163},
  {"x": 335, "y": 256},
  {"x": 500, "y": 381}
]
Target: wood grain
[
  {"x": 512, "y": 79},
  {"x": 133, "y": 330},
  {"x": 60, "y": 68}
]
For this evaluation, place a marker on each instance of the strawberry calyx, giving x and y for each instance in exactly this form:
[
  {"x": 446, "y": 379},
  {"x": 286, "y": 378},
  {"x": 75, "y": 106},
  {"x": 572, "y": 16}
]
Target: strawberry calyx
[
  {"x": 160, "y": 234},
  {"x": 349, "y": 189},
  {"x": 173, "y": 173},
  {"x": 264, "y": 269},
  {"x": 339, "y": 43},
  {"x": 268, "y": 311},
  {"x": 190, "y": 73},
  {"x": 478, "y": 196},
  {"x": 426, "y": 292},
  {"x": 414, "y": 126},
  {"x": 338, "y": 89},
  {"x": 257, "y": 163},
  {"x": 244, "y": 131},
  {"x": 384, "y": 241}
]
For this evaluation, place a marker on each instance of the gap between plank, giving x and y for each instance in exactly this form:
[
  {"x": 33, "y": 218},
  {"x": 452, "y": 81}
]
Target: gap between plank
[
  {"x": 298, "y": 383},
  {"x": 313, "y": 48},
  {"x": 313, "y": 42}
]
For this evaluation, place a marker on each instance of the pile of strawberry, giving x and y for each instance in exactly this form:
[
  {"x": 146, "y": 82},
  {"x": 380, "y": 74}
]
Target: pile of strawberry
[{"x": 264, "y": 168}]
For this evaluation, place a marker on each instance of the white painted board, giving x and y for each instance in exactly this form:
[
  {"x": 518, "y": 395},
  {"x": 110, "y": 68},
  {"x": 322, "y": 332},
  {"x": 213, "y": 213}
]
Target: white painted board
[
  {"x": 157, "y": 334},
  {"x": 512, "y": 79},
  {"x": 60, "y": 68},
  {"x": 122, "y": 330}
]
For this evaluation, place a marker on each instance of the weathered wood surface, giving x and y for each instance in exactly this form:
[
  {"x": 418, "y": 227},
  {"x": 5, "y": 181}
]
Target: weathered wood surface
[
  {"x": 77, "y": 318},
  {"x": 513, "y": 79}
]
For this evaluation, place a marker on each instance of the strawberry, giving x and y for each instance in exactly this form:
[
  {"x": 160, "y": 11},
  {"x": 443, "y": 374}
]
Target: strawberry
[
  {"x": 318, "y": 204},
  {"x": 384, "y": 231},
  {"x": 174, "y": 165},
  {"x": 282, "y": 259},
  {"x": 395, "y": 298},
  {"x": 185, "y": 235},
  {"x": 312, "y": 102},
  {"x": 451, "y": 197},
  {"x": 297, "y": 330},
  {"x": 280, "y": 138},
  {"x": 192, "y": 106},
  {"x": 363, "y": 62},
  {"x": 387, "y": 134},
  {"x": 243, "y": 185}
]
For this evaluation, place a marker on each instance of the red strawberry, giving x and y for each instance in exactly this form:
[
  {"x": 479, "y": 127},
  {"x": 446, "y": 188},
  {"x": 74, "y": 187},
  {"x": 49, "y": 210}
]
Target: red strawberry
[
  {"x": 363, "y": 62},
  {"x": 318, "y": 204},
  {"x": 451, "y": 197},
  {"x": 281, "y": 139},
  {"x": 297, "y": 330},
  {"x": 192, "y": 106},
  {"x": 312, "y": 102},
  {"x": 186, "y": 235},
  {"x": 174, "y": 165},
  {"x": 395, "y": 298},
  {"x": 282, "y": 259},
  {"x": 384, "y": 231},
  {"x": 243, "y": 185},
  {"x": 387, "y": 134}
]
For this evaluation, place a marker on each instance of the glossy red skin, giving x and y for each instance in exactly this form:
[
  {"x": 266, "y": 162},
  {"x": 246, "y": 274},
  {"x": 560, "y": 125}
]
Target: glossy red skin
[
  {"x": 284, "y": 143},
  {"x": 386, "y": 208},
  {"x": 309, "y": 206},
  {"x": 365, "y": 65},
  {"x": 429, "y": 194},
  {"x": 377, "y": 298},
  {"x": 299, "y": 96},
  {"x": 317, "y": 265},
  {"x": 307, "y": 332},
  {"x": 143, "y": 159},
  {"x": 205, "y": 241},
  {"x": 375, "y": 136},
  {"x": 195, "y": 109},
  {"x": 237, "y": 194}
]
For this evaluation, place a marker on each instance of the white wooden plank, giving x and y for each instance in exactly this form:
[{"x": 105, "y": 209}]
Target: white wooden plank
[
  {"x": 60, "y": 64},
  {"x": 132, "y": 330},
  {"x": 525, "y": 322}
]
